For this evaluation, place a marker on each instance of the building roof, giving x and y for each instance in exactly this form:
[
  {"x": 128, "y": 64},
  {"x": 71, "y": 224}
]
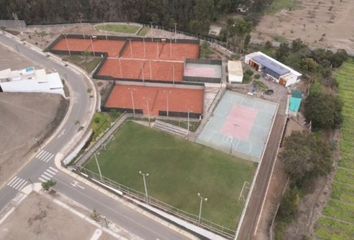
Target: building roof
[
  {"x": 31, "y": 80},
  {"x": 270, "y": 64},
  {"x": 235, "y": 68}
]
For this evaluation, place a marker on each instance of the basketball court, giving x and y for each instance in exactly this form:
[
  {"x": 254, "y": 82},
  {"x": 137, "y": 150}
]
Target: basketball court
[{"x": 240, "y": 125}]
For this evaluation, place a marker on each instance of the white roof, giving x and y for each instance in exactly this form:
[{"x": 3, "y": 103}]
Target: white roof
[
  {"x": 235, "y": 68},
  {"x": 30, "y": 80}
]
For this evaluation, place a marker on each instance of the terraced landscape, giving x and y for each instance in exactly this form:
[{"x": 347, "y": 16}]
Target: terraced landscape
[{"x": 337, "y": 221}]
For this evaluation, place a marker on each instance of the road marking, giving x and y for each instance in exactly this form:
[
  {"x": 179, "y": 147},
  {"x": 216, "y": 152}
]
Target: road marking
[
  {"x": 17, "y": 183},
  {"x": 48, "y": 174},
  {"x": 76, "y": 184},
  {"x": 42, "y": 179},
  {"x": 51, "y": 171},
  {"x": 55, "y": 170},
  {"x": 61, "y": 134},
  {"x": 45, "y": 156}
]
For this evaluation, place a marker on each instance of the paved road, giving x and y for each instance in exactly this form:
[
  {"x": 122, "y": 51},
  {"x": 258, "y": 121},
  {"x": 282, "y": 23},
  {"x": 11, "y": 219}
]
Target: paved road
[
  {"x": 253, "y": 210},
  {"x": 42, "y": 167}
]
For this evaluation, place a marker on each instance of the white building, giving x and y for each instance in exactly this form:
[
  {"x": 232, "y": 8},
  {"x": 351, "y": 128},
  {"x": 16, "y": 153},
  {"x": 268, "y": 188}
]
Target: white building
[
  {"x": 273, "y": 69},
  {"x": 30, "y": 80},
  {"x": 235, "y": 71}
]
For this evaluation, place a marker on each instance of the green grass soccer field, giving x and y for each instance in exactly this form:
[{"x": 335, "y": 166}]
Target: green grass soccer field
[{"x": 178, "y": 170}]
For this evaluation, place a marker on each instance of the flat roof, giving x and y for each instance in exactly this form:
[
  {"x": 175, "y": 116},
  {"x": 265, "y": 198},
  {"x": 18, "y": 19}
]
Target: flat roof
[
  {"x": 235, "y": 68},
  {"x": 272, "y": 65}
]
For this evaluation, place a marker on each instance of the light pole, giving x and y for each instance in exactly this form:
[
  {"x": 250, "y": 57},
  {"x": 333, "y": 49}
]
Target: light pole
[
  {"x": 167, "y": 101},
  {"x": 66, "y": 43},
  {"x": 132, "y": 97},
  {"x": 175, "y": 32},
  {"x": 145, "y": 185},
  {"x": 98, "y": 167},
  {"x": 202, "y": 199},
  {"x": 148, "y": 109}
]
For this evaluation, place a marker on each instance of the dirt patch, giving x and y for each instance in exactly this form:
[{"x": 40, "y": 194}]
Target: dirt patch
[
  {"x": 39, "y": 218},
  {"x": 325, "y": 24},
  {"x": 26, "y": 120}
]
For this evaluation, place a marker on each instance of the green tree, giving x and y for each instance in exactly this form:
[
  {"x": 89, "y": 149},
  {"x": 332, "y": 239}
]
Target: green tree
[
  {"x": 322, "y": 109},
  {"x": 48, "y": 185},
  {"x": 305, "y": 156}
]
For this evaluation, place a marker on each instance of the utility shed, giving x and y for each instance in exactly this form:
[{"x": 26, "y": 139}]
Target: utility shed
[{"x": 235, "y": 71}]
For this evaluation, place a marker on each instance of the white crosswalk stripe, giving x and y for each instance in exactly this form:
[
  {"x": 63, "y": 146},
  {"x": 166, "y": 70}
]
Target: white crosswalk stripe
[
  {"x": 44, "y": 155},
  {"x": 48, "y": 174},
  {"x": 17, "y": 183}
]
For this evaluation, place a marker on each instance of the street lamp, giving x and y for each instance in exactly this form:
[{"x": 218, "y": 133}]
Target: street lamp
[
  {"x": 202, "y": 199},
  {"x": 132, "y": 98},
  {"x": 145, "y": 185}
]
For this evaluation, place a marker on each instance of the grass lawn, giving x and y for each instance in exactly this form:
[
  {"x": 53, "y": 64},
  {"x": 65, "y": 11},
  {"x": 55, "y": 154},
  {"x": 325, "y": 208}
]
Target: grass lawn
[
  {"x": 88, "y": 63},
  {"x": 178, "y": 170},
  {"x": 143, "y": 31},
  {"x": 120, "y": 28},
  {"x": 101, "y": 122},
  {"x": 338, "y": 219}
]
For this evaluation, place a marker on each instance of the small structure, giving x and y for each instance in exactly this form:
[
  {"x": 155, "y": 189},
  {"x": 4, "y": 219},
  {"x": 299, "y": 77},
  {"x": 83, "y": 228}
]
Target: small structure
[
  {"x": 295, "y": 103},
  {"x": 203, "y": 71},
  {"x": 272, "y": 68},
  {"x": 30, "y": 80},
  {"x": 214, "y": 30},
  {"x": 235, "y": 71}
]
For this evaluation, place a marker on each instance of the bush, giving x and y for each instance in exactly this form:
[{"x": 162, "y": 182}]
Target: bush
[
  {"x": 246, "y": 79},
  {"x": 248, "y": 72},
  {"x": 257, "y": 76}
]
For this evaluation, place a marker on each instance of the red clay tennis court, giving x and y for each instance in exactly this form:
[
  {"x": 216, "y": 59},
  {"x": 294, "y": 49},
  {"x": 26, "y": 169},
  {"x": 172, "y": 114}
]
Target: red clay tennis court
[
  {"x": 142, "y": 70},
  {"x": 111, "y": 47},
  {"x": 161, "y": 50},
  {"x": 151, "y": 100}
]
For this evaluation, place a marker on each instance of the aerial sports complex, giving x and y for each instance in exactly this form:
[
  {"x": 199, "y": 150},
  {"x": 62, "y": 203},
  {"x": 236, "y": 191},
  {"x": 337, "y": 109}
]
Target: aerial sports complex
[
  {"x": 158, "y": 63},
  {"x": 165, "y": 79}
]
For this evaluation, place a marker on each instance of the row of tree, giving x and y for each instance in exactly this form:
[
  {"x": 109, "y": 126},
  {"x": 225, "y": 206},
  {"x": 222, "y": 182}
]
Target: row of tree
[{"x": 190, "y": 15}]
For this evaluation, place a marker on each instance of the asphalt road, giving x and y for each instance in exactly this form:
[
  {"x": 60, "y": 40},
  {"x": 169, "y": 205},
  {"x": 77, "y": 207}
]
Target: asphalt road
[{"x": 42, "y": 166}]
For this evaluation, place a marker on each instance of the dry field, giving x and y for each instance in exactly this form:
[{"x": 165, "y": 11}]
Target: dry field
[
  {"x": 39, "y": 218},
  {"x": 26, "y": 119},
  {"x": 321, "y": 23}
]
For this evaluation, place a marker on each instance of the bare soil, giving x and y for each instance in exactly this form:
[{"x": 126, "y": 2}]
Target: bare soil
[
  {"x": 26, "y": 119},
  {"x": 39, "y": 218},
  {"x": 325, "y": 24}
]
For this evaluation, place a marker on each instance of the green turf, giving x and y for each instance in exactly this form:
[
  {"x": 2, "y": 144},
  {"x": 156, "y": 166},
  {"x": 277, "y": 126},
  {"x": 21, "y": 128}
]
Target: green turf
[
  {"x": 88, "y": 63},
  {"x": 120, "y": 28},
  {"x": 338, "y": 220},
  {"x": 178, "y": 171},
  {"x": 143, "y": 31}
]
